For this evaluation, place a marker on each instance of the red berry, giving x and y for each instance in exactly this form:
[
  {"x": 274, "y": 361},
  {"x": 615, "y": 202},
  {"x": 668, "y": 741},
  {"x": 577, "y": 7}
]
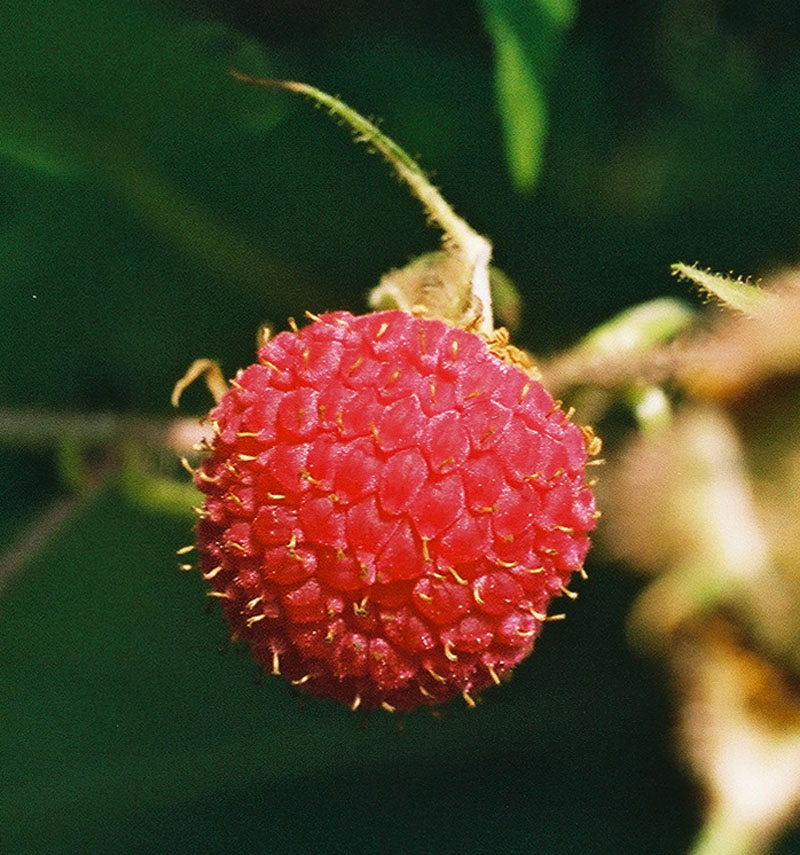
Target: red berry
[{"x": 389, "y": 509}]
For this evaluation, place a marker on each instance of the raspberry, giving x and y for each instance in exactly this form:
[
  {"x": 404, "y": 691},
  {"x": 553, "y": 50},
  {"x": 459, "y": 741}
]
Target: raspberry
[{"x": 389, "y": 509}]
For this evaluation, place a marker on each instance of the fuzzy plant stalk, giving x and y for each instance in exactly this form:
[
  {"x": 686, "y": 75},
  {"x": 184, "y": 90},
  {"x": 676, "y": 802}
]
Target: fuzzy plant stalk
[
  {"x": 461, "y": 241},
  {"x": 718, "y": 478},
  {"x": 392, "y": 500}
]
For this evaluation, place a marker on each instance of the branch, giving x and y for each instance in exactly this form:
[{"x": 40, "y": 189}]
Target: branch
[{"x": 36, "y": 428}]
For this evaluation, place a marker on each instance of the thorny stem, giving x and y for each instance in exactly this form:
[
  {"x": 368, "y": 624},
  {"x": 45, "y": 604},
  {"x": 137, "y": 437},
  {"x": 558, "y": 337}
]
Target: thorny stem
[{"x": 459, "y": 235}]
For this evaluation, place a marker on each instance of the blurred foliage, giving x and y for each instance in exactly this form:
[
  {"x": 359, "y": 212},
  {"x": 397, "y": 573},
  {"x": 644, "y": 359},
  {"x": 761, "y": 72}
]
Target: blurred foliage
[
  {"x": 86, "y": 82},
  {"x": 527, "y": 35},
  {"x": 152, "y": 210},
  {"x": 720, "y": 538}
]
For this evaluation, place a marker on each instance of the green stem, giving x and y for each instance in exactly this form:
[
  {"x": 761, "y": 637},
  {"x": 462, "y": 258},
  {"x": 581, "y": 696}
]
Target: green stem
[
  {"x": 127, "y": 442},
  {"x": 35, "y": 428},
  {"x": 476, "y": 248},
  {"x": 48, "y": 523}
]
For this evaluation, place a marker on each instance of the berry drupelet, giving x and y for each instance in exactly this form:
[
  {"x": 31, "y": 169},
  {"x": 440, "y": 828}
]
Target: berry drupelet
[{"x": 389, "y": 509}]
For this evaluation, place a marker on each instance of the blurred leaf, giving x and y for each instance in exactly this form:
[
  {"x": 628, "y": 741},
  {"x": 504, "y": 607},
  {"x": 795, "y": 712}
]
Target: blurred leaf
[
  {"x": 83, "y": 80},
  {"x": 562, "y": 12},
  {"x": 19, "y": 142},
  {"x": 123, "y": 96},
  {"x": 639, "y": 328},
  {"x": 527, "y": 37},
  {"x": 152, "y": 491}
]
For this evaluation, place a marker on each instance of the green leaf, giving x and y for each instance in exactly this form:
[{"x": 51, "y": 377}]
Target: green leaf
[
  {"x": 527, "y": 36},
  {"x": 740, "y": 294}
]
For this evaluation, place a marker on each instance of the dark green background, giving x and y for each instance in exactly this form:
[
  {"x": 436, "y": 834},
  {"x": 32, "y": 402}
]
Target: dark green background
[{"x": 152, "y": 211}]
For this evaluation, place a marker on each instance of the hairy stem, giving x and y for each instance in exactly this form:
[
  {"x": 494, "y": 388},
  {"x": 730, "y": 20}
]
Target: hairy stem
[
  {"x": 739, "y": 294},
  {"x": 459, "y": 235}
]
